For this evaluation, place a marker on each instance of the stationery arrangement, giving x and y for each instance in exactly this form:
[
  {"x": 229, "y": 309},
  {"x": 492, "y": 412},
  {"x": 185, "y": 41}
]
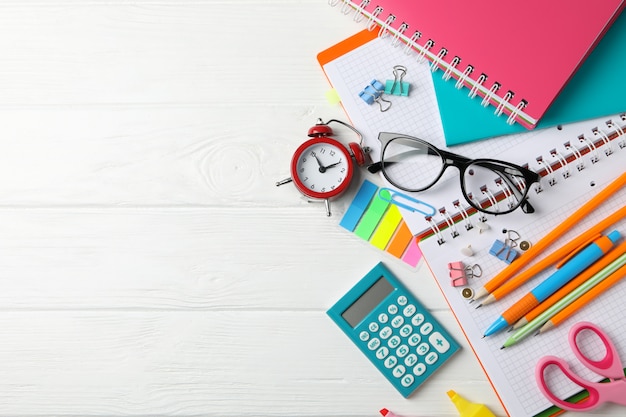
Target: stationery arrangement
[
  {"x": 498, "y": 50},
  {"x": 521, "y": 232},
  {"x": 568, "y": 271},
  {"x": 511, "y": 370}
]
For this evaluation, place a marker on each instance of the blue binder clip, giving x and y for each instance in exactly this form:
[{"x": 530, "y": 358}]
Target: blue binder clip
[
  {"x": 372, "y": 93},
  {"x": 504, "y": 252}
]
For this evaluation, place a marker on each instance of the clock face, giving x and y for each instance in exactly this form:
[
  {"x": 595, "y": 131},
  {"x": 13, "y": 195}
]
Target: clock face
[{"x": 321, "y": 168}]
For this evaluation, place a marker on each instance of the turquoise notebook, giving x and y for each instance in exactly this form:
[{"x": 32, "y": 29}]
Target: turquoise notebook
[{"x": 597, "y": 89}]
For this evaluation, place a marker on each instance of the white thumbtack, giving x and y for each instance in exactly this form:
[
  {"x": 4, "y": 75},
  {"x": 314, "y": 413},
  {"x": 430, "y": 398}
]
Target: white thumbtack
[{"x": 467, "y": 251}]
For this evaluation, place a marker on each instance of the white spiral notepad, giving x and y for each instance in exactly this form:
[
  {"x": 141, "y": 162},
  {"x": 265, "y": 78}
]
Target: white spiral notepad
[{"x": 576, "y": 160}]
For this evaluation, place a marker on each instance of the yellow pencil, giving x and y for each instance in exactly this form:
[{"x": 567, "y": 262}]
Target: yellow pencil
[{"x": 584, "y": 299}]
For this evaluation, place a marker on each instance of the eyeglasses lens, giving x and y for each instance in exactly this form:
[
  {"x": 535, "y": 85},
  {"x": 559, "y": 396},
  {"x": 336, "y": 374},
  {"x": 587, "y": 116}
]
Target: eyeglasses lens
[
  {"x": 495, "y": 187},
  {"x": 411, "y": 165}
]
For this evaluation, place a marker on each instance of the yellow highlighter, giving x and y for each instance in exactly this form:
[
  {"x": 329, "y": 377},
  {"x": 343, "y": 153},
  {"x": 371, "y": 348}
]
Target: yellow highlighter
[{"x": 469, "y": 409}]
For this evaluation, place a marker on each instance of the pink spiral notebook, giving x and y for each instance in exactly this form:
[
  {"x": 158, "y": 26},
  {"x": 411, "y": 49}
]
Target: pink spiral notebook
[{"x": 515, "y": 56}]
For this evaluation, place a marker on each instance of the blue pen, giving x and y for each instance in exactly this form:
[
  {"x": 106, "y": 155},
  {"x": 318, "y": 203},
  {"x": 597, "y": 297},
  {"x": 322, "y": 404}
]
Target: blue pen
[{"x": 577, "y": 264}]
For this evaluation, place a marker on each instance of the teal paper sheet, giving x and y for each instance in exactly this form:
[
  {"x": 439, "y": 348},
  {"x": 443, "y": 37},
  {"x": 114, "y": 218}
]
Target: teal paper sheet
[{"x": 597, "y": 89}]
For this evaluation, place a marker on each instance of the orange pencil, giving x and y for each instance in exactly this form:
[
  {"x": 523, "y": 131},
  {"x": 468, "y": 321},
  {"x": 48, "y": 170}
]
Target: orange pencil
[
  {"x": 558, "y": 255},
  {"x": 575, "y": 283},
  {"x": 572, "y": 268},
  {"x": 584, "y": 299},
  {"x": 508, "y": 272}
]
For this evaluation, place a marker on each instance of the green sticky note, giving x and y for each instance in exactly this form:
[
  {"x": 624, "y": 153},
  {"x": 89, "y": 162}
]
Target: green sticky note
[{"x": 372, "y": 216}]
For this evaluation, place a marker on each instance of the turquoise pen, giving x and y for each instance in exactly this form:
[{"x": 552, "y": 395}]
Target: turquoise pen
[{"x": 581, "y": 261}]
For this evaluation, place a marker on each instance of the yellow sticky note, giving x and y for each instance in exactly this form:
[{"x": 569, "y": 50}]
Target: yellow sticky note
[
  {"x": 333, "y": 97},
  {"x": 386, "y": 227}
]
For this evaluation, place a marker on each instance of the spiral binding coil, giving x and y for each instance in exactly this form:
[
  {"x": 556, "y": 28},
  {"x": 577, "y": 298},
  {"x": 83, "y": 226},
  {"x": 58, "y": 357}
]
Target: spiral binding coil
[
  {"x": 574, "y": 154},
  {"x": 492, "y": 94}
]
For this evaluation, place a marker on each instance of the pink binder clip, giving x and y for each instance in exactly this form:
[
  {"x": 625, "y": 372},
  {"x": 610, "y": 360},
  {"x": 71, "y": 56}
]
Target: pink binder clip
[{"x": 458, "y": 277}]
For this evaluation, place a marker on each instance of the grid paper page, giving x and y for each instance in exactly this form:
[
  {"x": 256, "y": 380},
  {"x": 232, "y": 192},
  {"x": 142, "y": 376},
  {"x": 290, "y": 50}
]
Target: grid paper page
[{"x": 510, "y": 370}]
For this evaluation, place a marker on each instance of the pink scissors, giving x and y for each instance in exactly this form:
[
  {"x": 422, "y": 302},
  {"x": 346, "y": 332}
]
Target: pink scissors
[{"x": 610, "y": 366}]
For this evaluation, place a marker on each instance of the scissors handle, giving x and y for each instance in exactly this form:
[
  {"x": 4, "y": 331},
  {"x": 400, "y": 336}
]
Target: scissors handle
[
  {"x": 610, "y": 365},
  {"x": 588, "y": 404}
]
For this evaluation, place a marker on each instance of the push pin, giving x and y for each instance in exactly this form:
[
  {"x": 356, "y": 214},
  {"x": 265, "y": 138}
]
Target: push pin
[
  {"x": 467, "y": 293},
  {"x": 467, "y": 251},
  {"x": 372, "y": 93},
  {"x": 482, "y": 227},
  {"x": 397, "y": 87}
]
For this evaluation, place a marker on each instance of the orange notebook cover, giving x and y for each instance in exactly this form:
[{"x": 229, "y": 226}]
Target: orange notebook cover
[{"x": 515, "y": 56}]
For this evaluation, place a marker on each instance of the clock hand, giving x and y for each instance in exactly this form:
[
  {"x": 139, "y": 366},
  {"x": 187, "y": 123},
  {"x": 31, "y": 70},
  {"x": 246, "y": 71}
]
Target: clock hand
[
  {"x": 322, "y": 168},
  {"x": 332, "y": 165}
]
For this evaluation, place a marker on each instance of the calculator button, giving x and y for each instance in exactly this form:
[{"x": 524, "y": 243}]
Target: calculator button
[
  {"x": 393, "y": 342},
  {"x": 439, "y": 342},
  {"x": 410, "y": 360},
  {"x": 392, "y": 309},
  {"x": 383, "y": 318},
  {"x": 398, "y": 371},
  {"x": 407, "y": 380},
  {"x": 418, "y": 319},
  {"x": 419, "y": 369},
  {"x": 385, "y": 333},
  {"x": 402, "y": 351},
  {"x": 431, "y": 358},
  {"x": 402, "y": 300},
  {"x": 390, "y": 362},
  {"x": 373, "y": 344},
  {"x": 406, "y": 330},
  {"x": 409, "y": 310},
  {"x": 373, "y": 327},
  {"x": 426, "y": 328},
  {"x": 397, "y": 321},
  {"x": 382, "y": 352},
  {"x": 364, "y": 336},
  {"x": 423, "y": 349},
  {"x": 415, "y": 339}
]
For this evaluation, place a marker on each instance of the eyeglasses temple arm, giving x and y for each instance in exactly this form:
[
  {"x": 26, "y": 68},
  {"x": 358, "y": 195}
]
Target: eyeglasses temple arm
[{"x": 377, "y": 166}]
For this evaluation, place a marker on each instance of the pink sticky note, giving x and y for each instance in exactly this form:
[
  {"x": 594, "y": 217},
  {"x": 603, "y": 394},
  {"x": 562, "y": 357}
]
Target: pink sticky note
[{"x": 413, "y": 254}]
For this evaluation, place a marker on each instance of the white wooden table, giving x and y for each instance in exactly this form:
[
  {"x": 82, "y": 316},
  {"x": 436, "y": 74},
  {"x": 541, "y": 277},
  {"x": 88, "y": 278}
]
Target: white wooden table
[{"x": 148, "y": 264}]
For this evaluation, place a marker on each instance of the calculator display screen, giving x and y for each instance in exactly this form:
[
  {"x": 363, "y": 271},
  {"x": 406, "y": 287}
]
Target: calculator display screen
[{"x": 367, "y": 302}]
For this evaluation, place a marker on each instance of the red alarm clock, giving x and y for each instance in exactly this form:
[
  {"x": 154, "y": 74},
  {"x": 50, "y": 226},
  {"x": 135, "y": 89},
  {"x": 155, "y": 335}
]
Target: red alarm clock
[{"x": 321, "y": 168}]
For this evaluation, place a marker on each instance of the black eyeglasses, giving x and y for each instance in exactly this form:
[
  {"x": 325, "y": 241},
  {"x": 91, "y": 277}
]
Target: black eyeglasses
[{"x": 489, "y": 185}]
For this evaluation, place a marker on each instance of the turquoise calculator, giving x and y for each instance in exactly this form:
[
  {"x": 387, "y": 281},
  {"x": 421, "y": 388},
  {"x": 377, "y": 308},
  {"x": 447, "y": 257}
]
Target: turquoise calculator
[{"x": 394, "y": 330}]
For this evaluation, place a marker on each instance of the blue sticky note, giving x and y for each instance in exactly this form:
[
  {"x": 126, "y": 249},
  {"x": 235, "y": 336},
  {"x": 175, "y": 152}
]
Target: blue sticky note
[{"x": 358, "y": 206}]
